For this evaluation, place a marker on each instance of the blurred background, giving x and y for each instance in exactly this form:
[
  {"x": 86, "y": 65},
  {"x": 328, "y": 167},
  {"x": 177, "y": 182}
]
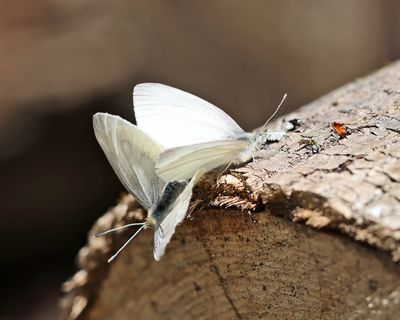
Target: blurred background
[{"x": 62, "y": 61}]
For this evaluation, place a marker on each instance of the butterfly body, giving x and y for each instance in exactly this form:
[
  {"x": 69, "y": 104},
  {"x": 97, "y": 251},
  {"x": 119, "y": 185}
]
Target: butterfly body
[
  {"x": 195, "y": 134},
  {"x": 133, "y": 154},
  {"x": 169, "y": 195}
]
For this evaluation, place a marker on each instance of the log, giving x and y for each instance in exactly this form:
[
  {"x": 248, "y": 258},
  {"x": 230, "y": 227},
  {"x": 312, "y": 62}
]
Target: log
[{"x": 311, "y": 229}]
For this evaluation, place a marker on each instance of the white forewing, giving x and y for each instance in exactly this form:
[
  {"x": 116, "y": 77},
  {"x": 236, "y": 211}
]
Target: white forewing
[
  {"x": 166, "y": 229},
  {"x": 182, "y": 162},
  {"x": 132, "y": 154},
  {"x": 176, "y": 118}
]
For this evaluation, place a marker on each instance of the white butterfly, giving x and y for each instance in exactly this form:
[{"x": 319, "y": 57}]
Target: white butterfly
[
  {"x": 195, "y": 133},
  {"x": 133, "y": 154}
]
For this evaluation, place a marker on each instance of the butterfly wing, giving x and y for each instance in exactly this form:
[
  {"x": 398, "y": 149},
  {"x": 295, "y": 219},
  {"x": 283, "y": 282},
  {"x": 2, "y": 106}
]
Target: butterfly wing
[
  {"x": 177, "y": 213},
  {"x": 176, "y": 118},
  {"x": 182, "y": 162},
  {"x": 132, "y": 155}
]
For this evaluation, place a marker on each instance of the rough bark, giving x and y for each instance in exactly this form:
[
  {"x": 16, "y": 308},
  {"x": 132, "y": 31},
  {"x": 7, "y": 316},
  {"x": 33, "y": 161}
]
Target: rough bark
[{"x": 311, "y": 229}]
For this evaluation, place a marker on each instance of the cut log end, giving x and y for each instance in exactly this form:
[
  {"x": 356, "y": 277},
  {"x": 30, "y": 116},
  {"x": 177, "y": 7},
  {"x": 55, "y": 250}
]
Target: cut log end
[{"x": 228, "y": 265}]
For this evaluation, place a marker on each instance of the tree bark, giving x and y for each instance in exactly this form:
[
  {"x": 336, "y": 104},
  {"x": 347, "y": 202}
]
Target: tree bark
[{"x": 311, "y": 229}]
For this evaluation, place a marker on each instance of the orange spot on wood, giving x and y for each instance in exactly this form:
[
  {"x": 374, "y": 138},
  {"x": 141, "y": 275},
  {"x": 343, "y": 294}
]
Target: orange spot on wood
[{"x": 340, "y": 128}]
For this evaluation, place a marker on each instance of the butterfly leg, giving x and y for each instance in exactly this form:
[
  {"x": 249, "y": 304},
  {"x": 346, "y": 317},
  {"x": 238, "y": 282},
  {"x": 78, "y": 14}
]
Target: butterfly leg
[{"x": 221, "y": 174}]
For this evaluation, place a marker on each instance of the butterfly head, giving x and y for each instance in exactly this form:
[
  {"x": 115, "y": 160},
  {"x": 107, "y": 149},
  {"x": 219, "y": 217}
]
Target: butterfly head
[
  {"x": 263, "y": 137},
  {"x": 260, "y": 139},
  {"x": 150, "y": 222}
]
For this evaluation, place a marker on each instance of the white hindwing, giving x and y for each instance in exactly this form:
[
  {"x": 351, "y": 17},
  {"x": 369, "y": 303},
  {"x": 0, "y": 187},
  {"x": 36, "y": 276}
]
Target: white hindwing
[
  {"x": 176, "y": 118},
  {"x": 132, "y": 154},
  {"x": 179, "y": 208},
  {"x": 182, "y": 162}
]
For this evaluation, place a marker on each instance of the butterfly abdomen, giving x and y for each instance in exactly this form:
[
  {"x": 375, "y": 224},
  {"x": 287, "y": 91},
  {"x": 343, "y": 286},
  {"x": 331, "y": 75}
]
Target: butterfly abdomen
[{"x": 170, "y": 193}]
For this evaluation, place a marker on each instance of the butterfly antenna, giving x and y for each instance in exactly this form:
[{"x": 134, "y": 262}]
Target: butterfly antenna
[
  {"x": 277, "y": 109},
  {"x": 125, "y": 244},
  {"x": 119, "y": 228}
]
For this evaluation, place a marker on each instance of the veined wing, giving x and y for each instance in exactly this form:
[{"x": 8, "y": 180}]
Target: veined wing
[
  {"x": 182, "y": 162},
  {"x": 177, "y": 214},
  {"x": 132, "y": 154},
  {"x": 176, "y": 118}
]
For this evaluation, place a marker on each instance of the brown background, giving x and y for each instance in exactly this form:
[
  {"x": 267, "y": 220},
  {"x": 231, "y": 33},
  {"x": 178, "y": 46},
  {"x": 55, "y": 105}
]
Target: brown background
[{"x": 60, "y": 62}]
